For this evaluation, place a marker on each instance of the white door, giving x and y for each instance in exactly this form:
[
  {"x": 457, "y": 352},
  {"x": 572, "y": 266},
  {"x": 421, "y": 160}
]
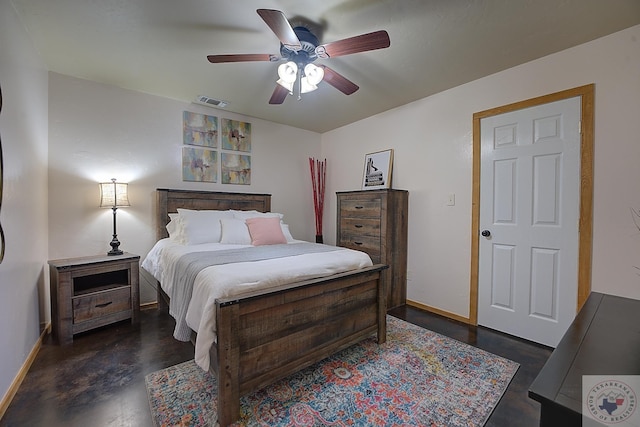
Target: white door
[{"x": 529, "y": 211}]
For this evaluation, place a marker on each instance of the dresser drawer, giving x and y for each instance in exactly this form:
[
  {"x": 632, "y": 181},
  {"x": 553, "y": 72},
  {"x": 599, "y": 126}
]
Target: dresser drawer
[
  {"x": 368, "y": 244},
  {"x": 360, "y": 226},
  {"x": 95, "y": 305},
  {"x": 361, "y": 208}
]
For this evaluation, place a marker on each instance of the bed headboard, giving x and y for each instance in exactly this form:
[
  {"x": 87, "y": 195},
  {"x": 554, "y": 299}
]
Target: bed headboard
[{"x": 168, "y": 201}]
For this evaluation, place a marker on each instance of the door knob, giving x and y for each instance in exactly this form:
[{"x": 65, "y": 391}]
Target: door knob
[{"x": 485, "y": 233}]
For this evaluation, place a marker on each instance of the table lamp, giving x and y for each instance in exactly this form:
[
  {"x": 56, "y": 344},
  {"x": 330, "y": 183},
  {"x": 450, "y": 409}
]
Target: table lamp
[{"x": 114, "y": 195}]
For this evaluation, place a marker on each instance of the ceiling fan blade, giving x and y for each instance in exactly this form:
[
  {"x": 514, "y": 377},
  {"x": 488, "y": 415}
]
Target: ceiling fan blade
[
  {"x": 216, "y": 59},
  {"x": 281, "y": 27},
  {"x": 279, "y": 95},
  {"x": 338, "y": 81},
  {"x": 361, "y": 43}
]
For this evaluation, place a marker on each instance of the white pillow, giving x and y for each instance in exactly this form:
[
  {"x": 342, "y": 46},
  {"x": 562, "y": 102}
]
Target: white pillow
[
  {"x": 286, "y": 232},
  {"x": 234, "y": 232},
  {"x": 174, "y": 227},
  {"x": 255, "y": 214},
  {"x": 201, "y": 226}
]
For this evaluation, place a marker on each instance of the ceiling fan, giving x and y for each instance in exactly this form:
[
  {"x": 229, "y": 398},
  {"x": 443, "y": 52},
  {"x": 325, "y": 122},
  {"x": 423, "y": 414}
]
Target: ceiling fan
[{"x": 299, "y": 47}]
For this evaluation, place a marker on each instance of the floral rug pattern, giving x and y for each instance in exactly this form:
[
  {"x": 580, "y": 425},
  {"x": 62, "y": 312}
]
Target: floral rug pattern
[{"x": 417, "y": 377}]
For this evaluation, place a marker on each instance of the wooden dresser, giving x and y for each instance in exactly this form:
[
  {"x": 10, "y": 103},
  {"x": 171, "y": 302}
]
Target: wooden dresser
[{"x": 375, "y": 222}]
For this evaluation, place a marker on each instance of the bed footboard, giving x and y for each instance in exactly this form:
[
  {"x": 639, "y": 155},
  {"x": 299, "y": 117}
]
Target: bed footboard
[{"x": 265, "y": 337}]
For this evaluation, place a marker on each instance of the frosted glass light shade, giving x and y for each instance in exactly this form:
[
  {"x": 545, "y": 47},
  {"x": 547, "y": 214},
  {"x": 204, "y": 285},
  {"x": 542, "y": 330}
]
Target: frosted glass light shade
[
  {"x": 286, "y": 85},
  {"x": 288, "y": 71},
  {"x": 305, "y": 86},
  {"x": 313, "y": 74}
]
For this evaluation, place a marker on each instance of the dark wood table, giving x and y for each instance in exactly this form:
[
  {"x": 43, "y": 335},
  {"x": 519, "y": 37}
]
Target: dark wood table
[{"x": 604, "y": 339}]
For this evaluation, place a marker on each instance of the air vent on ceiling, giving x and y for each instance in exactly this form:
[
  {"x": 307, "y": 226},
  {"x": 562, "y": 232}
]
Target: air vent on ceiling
[{"x": 211, "y": 102}]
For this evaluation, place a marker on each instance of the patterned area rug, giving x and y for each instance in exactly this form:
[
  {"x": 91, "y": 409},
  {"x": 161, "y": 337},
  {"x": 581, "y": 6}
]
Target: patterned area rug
[{"x": 417, "y": 377}]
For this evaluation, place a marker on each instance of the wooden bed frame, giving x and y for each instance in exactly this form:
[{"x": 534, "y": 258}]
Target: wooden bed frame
[{"x": 268, "y": 335}]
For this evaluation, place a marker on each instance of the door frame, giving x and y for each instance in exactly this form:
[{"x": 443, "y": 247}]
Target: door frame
[{"x": 585, "y": 229}]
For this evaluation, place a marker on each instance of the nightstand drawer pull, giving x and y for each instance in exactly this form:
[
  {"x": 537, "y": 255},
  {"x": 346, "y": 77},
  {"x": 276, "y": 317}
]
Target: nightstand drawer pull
[
  {"x": 359, "y": 207},
  {"x": 103, "y": 304},
  {"x": 358, "y": 225},
  {"x": 358, "y": 243}
]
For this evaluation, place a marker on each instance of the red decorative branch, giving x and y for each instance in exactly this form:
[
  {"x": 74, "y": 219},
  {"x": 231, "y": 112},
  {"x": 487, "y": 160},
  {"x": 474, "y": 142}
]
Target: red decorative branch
[{"x": 318, "y": 170}]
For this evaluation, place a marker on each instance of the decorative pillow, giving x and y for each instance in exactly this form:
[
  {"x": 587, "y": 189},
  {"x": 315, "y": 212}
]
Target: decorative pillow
[
  {"x": 256, "y": 214},
  {"x": 201, "y": 226},
  {"x": 265, "y": 231},
  {"x": 234, "y": 232},
  {"x": 286, "y": 232}
]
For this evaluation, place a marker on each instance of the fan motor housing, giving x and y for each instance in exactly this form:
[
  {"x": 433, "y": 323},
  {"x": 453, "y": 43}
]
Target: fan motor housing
[{"x": 309, "y": 43}]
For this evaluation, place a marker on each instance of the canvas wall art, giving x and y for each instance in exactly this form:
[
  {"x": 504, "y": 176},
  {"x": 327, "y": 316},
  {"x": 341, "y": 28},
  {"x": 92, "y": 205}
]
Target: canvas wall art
[
  {"x": 199, "y": 129},
  {"x": 236, "y": 135},
  {"x": 199, "y": 164},
  {"x": 236, "y": 169}
]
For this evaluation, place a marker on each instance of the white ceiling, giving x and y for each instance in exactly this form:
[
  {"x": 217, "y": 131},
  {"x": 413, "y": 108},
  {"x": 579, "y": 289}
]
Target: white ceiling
[{"x": 160, "y": 46}]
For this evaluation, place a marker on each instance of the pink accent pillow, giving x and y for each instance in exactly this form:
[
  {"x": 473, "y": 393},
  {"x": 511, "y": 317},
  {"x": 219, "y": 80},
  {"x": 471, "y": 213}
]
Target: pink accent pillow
[{"x": 265, "y": 231}]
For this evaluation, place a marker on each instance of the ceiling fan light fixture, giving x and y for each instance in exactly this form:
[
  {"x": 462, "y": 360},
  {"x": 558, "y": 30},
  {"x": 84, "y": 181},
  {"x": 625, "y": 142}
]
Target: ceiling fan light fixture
[
  {"x": 288, "y": 72},
  {"x": 313, "y": 74},
  {"x": 300, "y": 46},
  {"x": 306, "y": 85},
  {"x": 285, "y": 84}
]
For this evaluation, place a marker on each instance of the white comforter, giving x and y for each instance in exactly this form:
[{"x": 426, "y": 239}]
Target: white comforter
[{"x": 229, "y": 280}]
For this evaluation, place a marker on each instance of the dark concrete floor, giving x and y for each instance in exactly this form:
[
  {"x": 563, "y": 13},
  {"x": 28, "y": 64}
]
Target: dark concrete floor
[{"x": 99, "y": 379}]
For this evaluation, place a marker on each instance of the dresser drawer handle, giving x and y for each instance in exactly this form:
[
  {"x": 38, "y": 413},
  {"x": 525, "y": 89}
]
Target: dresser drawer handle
[
  {"x": 358, "y": 243},
  {"x": 358, "y": 225},
  {"x": 359, "y": 207},
  {"x": 103, "y": 304}
]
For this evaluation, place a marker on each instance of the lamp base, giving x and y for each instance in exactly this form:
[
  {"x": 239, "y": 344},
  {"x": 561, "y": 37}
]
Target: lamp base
[{"x": 115, "y": 243}]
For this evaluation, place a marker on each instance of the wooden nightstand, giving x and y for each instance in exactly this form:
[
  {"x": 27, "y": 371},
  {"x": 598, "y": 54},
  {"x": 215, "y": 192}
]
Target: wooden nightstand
[{"x": 94, "y": 291}]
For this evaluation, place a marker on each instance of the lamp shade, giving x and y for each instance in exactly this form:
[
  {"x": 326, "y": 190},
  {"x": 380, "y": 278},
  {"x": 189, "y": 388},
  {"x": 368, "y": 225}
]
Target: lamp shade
[{"x": 113, "y": 194}]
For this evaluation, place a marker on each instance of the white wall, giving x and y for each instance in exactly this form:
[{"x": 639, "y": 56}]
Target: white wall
[
  {"x": 24, "y": 296},
  {"x": 432, "y": 141},
  {"x": 98, "y": 132}
]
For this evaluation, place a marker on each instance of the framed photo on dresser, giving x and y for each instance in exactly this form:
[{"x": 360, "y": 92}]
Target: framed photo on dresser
[{"x": 377, "y": 170}]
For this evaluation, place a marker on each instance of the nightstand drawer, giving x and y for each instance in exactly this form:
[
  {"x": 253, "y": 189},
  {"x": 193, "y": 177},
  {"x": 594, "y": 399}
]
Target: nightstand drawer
[
  {"x": 360, "y": 226},
  {"x": 92, "y": 306},
  {"x": 360, "y": 208}
]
